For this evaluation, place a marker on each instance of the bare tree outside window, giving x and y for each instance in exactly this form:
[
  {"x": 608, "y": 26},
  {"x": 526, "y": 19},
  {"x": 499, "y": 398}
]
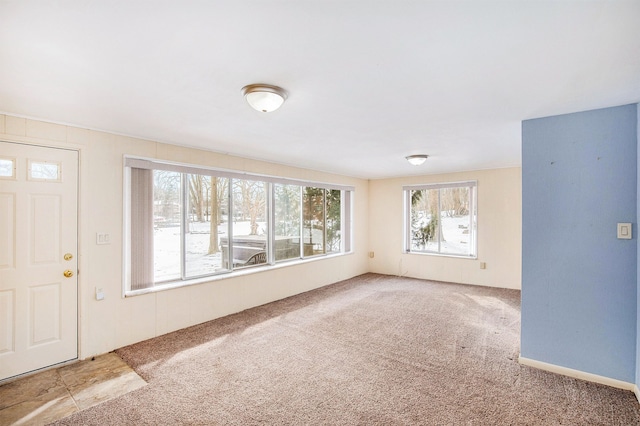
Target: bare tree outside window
[
  {"x": 186, "y": 225},
  {"x": 250, "y": 203}
]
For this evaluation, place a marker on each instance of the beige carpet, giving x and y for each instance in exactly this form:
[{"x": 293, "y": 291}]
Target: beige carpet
[{"x": 370, "y": 350}]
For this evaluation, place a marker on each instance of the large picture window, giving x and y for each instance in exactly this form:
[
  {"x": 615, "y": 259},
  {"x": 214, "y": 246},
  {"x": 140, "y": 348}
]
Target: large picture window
[
  {"x": 441, "y": 219},
  {"x": 186, "y": 222}
]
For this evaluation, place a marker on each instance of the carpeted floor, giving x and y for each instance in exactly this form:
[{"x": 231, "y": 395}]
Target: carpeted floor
[{"x": 370, "y": 350}]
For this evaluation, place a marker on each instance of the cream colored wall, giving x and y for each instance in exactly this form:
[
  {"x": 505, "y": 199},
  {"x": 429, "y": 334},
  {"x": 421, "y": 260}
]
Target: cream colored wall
[
  {"x": 377, "y": 226},
  {"x": 499, "y": 231},
  {"x": 116, "y": 321}
]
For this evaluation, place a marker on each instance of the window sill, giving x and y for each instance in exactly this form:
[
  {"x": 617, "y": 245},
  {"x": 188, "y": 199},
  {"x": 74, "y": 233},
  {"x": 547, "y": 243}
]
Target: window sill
[
  {"x": 456, "y": 256},
  {"x": 233, "y": 274}
]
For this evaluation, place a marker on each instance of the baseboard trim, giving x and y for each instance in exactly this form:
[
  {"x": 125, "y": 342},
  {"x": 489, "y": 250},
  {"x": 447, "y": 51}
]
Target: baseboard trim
[{"x": 577, "y": 374}]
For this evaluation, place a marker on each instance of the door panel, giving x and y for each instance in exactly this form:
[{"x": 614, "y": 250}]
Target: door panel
[
  {"x": 38, "y": 226},
  {"x": 44, "y": 313},
  {"x": 45, "y": 226},
  {"x": 7, "y": 230},
  {"x": 7, "y": 338}
]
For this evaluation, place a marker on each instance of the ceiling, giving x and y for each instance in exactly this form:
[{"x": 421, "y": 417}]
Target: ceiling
[{"x": 369, "y": 82}]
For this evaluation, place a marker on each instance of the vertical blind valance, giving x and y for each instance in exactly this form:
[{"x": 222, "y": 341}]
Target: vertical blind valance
[
  {"x": 468, "y": 183},
  {"x": 150, "y": 164}
]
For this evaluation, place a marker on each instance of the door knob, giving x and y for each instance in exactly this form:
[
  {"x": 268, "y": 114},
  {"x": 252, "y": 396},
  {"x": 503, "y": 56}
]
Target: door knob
[
  {"x": 68, "y": 256},
  {"x": 68, "y": 273}
]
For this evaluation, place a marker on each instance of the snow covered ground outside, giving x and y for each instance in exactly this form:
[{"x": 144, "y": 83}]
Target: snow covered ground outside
[
  {"x": 456, "y": 236},
  {"x": 167, "y": 249},
  {"x": 198, "y": 262},
  {"x": 455, "y": 232}
]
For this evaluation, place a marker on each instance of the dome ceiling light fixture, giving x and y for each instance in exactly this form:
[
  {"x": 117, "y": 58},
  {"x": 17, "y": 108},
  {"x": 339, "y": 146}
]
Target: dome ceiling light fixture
[
  {"x": 264, "y": 97},
  {"x": 417, "y": 160}
]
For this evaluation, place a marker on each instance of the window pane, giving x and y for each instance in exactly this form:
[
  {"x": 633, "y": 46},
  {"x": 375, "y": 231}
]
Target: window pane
[
  {"x": 167, "y": 228},
  {"x": 7, "y": 167},
  {"x": 44, "y": 170},
  {"x": 249, "y": 223},
  {"x": 442, "y": 219},
  {"x": 287, "y": 221},
  {"x": 181, "y": 220},
  {"x": 206, "y": 222},
  {"x": 456, "y": 225},
  {"x": 334, "y": 232},
  {"x": 424, "y": 220},
  {"x": 313, "y": 235}
]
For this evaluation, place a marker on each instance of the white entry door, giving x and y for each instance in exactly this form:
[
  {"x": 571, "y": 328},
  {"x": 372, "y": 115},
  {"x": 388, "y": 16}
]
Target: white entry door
[{"x": 38, "y": 257}]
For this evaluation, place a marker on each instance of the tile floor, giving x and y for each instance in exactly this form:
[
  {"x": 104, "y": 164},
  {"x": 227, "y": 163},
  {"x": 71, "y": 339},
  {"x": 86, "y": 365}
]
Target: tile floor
[{"x": 53, "y": 394}]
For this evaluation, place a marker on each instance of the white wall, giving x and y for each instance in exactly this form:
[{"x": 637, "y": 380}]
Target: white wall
[
  {"x": 117, "y": 321},
  {"x": 377, "y": 226},
  {"x": 499, "y": 231}
]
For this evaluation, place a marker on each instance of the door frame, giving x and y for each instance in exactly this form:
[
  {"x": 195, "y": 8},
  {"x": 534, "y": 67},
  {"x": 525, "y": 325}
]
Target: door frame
[{"x": 79, "y": 305}]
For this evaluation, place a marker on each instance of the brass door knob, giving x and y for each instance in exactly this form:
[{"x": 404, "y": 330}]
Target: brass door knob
[
  {"x": 68, "y": 273},
  {"x": 68, "y": 256}
]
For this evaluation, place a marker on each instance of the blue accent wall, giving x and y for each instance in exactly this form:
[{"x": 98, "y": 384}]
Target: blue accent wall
[
  {"x": 638, "y": 263},
  {"x": 579, "y": 282}
]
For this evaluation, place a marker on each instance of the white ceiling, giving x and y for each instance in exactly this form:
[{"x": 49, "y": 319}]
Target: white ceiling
[{"x": 369, "y": 81}]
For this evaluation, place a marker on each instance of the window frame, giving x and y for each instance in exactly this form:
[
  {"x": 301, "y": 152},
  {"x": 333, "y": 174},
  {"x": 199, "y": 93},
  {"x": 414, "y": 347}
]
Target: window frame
[
  {"x": 134, "y": 162},
  {"x": 472, "y": 185}
]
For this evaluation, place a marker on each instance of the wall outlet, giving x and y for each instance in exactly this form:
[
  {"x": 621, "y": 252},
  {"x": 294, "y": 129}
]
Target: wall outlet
[
  {"x": 99, "y": 294},
  {"x": 371, "y": 255}
]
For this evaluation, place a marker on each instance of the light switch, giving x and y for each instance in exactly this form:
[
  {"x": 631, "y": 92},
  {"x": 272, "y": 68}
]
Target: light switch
[
  {"x": 103, "y": 238},
  {"x": 624, "y": 231}
]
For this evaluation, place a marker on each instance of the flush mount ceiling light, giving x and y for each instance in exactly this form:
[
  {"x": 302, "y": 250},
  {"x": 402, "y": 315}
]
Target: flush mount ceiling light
[
  {"x": 417, "y": 160},
  {"x": 264, "y": 97}
]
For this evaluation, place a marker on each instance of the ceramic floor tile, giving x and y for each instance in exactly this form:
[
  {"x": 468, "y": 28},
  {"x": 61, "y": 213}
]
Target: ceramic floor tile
[
  {"x": 102, "y": 379},
  {"x": 29, "y": 388},
  {"x": 54, "y": 394},
  {"x": 109, "y": 365},
  {"x": 104, "y": 390},
  {"x": 51, "y": 406}
]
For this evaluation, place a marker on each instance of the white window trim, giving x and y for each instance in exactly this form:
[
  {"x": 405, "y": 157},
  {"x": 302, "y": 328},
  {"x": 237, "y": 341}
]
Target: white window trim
[
  {"x": 347, "y": 192},
  {"x": 153, "y": 164},
  {"x": 406, "y": 243}
]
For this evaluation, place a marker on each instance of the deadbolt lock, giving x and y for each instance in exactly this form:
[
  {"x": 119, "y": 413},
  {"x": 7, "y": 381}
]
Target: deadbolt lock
[
  {"x": 68, "y": 256},
  {"x": 68, "y": 273}
]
